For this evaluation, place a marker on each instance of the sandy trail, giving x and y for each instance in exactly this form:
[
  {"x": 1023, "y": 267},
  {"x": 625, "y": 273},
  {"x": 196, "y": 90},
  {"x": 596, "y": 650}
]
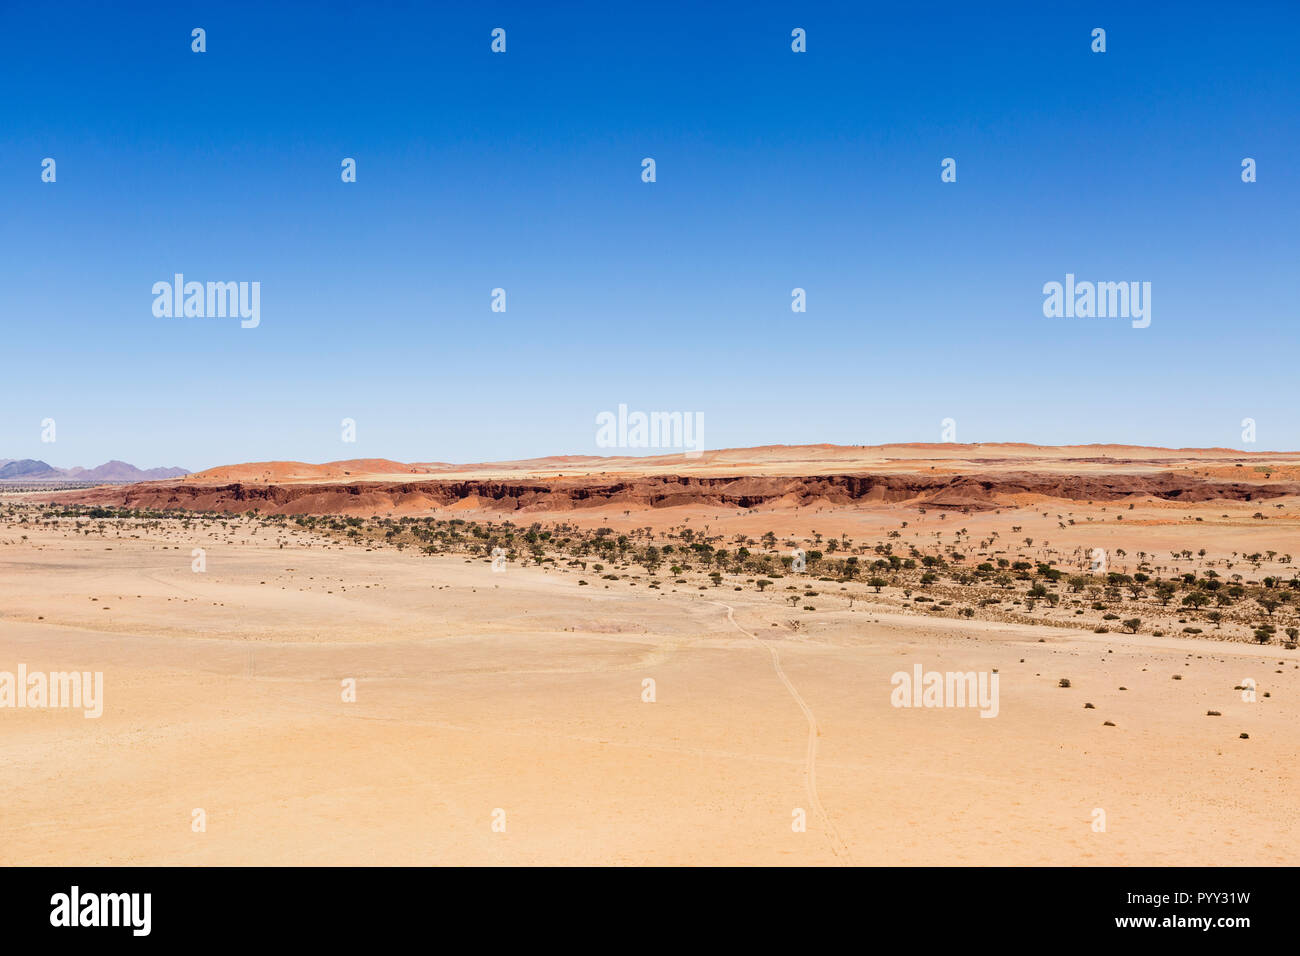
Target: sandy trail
[{"x": 838, "y": 847}]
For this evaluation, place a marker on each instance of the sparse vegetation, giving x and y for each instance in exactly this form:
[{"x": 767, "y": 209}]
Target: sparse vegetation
[{"x": 934, "y": 572}]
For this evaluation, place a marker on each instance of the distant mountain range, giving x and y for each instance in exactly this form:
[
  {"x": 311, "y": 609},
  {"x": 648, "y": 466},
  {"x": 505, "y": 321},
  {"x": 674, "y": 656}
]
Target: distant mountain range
[{"x": 29, "y": 469}]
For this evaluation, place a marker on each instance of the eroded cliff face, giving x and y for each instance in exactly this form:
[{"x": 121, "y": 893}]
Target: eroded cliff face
[{"x": 976, "y": 492}]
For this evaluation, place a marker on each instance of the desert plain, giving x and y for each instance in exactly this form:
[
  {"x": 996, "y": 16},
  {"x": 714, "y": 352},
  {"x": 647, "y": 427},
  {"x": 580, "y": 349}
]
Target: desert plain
[{"x": 662, "y": 661}]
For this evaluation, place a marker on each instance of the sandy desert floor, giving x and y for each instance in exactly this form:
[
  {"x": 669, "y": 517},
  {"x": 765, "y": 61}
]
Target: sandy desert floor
[{"x": 517, "y": 697}]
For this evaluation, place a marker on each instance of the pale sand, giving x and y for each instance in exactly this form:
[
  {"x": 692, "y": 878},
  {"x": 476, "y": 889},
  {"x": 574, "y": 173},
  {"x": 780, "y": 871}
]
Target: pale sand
[{"x": 522, "y": 691}]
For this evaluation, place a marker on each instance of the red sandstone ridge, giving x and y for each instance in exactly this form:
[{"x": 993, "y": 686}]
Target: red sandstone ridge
[
  {"x": 971, "y": 492},
  {"x": 948, "y": 476}
]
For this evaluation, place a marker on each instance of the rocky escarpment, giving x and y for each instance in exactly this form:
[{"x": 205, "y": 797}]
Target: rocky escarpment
[{"x": 975, "y": 492}]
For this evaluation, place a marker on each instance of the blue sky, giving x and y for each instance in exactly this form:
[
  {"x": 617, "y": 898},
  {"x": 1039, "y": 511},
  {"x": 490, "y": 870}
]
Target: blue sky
[{"x": 775, "y": 170}]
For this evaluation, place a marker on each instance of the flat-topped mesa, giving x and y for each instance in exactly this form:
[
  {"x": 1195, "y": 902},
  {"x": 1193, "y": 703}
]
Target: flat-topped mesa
[
  {"x": 796, "y": 461},
  {"x": 975, "y": 492}
]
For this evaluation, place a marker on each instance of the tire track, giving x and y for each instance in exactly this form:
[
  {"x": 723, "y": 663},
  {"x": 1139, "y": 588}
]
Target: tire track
[{"x": 838, "y": 846}]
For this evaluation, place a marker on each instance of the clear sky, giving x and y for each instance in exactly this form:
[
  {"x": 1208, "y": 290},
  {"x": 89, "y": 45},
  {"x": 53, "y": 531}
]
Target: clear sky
[{"x": 522, "y": 170}]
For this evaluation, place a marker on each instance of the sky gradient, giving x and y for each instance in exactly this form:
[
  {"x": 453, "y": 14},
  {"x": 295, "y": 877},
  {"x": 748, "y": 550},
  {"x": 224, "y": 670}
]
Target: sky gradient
[{"x": 522, "y": 170}]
